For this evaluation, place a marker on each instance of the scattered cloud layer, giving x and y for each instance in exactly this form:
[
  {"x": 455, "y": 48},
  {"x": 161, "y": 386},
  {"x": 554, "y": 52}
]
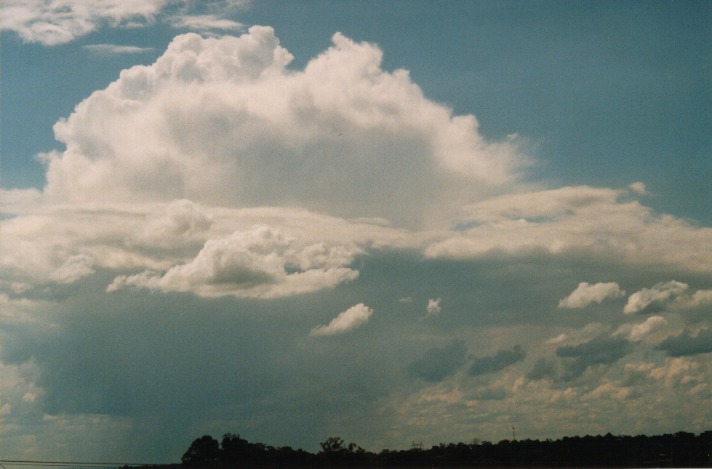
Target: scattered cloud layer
[
  {"x": 499, "y": 361},
  {"x": 688, "y": 343},
  {"x": 439, "y": 362},
  {"x": 601, "y": 350},
  {"x": 51, "y": 23}
]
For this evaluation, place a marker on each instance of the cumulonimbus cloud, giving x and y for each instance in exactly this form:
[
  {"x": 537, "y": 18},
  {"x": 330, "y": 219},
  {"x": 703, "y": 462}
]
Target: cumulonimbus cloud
[
  {"x": 224, "y": 121},
  {"x": 586, "y": 294},
  {"x": 352, "y": 318}
]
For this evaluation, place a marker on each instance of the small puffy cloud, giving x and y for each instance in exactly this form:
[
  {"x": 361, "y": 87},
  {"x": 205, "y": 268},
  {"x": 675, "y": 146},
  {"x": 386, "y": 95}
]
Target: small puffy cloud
[
  {"x": 653, "y": 297},
  {"x": 639, "y": 188},
  {"x": 601, "y": 350},
  {"x": 439, "y": 362},
  {"x": 51, "y": 22},
  {"x": 433, "y": 306},
  {"x": 260, "y": 262},
  {"x": 350, "y": 319},
  {"x": 499, "y": 361},
  {"x": 688, "y": 343},
  {"x": 637, "y": 332},
  {"x": 586, "y": 294}
]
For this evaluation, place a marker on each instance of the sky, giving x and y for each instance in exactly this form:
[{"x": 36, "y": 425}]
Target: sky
[{"x": 385, "y": 221}]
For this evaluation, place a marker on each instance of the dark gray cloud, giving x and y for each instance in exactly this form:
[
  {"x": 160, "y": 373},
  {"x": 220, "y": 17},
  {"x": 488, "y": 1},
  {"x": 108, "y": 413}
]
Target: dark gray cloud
[
  {"x": 543, "y": 368},
  {"x": 499, "y": 361},
  {"x": 602, "y": 350},
  {"x": 439, "y": 362},
  {"x": 687, "y": 343}
]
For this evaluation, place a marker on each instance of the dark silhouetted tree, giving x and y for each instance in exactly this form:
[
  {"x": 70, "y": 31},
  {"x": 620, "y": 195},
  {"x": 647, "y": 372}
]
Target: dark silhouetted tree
[{"x": 204, "y": 451}]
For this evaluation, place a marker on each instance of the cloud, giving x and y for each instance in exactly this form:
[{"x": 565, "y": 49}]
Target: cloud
[
  {"x": 260, "y": 262},
  {"x": 596, "y": 222},
  {"x": 639, "y": 188},
  {"x": 543, "y": 368},
  {"x": 354, "y": 317},
  {"x": 438, "y": 363},
  {"x": 586, "y": 294},
  {"x": 75, "y": 267},
  {"x": 51, "y": 23},
  {"x": 114, "y": 49},
  {"x": 601, "y": 350},
  {"x": 222, "y": 121},
  {"x": 656, "y": 296},
  {"x": 207, "y": 23},
  {"x": 433, "y": 306},
  {"x": 639, "y": 331},
  {"x": 697, "y": 299},
  {"x": 688, "y": 343},
  {"x": 499, "y": 361}
]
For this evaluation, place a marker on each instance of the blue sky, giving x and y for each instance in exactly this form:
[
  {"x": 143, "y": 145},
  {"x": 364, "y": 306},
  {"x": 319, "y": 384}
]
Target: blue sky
[{"x": 387, "y": 221}]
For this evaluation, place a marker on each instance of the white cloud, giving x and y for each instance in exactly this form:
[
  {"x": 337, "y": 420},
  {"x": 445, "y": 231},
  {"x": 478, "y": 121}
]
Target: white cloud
[
  {"x": 350, "y": 319},
  {"x": 16, "y": 201},
  {"x": 637, "y": 332},
  {"x": 699, "y": 298},
  {"x": 222, "y": 121},
  {"x": 60, "y": 243},
  {"x": 75, "y": 267},
  {"x": 434, "y": 306},
  {"x": 252, "y": 263},
  {"x": 586, "y": 294},
  {"x": 52, "y": 22},
  {"x": 207, "y": 23},
  {"x": 639, "y": 188},
  {"x": 115, "y": 49},
  {"x": 658, "y": 295},
  {"x": 576, "y": 220}
]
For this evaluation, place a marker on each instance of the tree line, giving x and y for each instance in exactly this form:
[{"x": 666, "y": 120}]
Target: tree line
[{"x": 681, "y": 449}]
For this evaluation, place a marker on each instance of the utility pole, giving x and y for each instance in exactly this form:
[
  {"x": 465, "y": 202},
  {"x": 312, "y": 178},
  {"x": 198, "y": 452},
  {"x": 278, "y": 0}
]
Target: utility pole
[{"x": 514, "y": 435}]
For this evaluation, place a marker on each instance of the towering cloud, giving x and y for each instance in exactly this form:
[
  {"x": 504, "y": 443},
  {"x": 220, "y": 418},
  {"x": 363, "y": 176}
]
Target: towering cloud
[{"x": 225, "y": 121}]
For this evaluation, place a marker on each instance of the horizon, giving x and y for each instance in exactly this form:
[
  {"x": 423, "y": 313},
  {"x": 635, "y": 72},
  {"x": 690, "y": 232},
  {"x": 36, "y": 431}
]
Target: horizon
[{"x": 395, "y": 221}]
